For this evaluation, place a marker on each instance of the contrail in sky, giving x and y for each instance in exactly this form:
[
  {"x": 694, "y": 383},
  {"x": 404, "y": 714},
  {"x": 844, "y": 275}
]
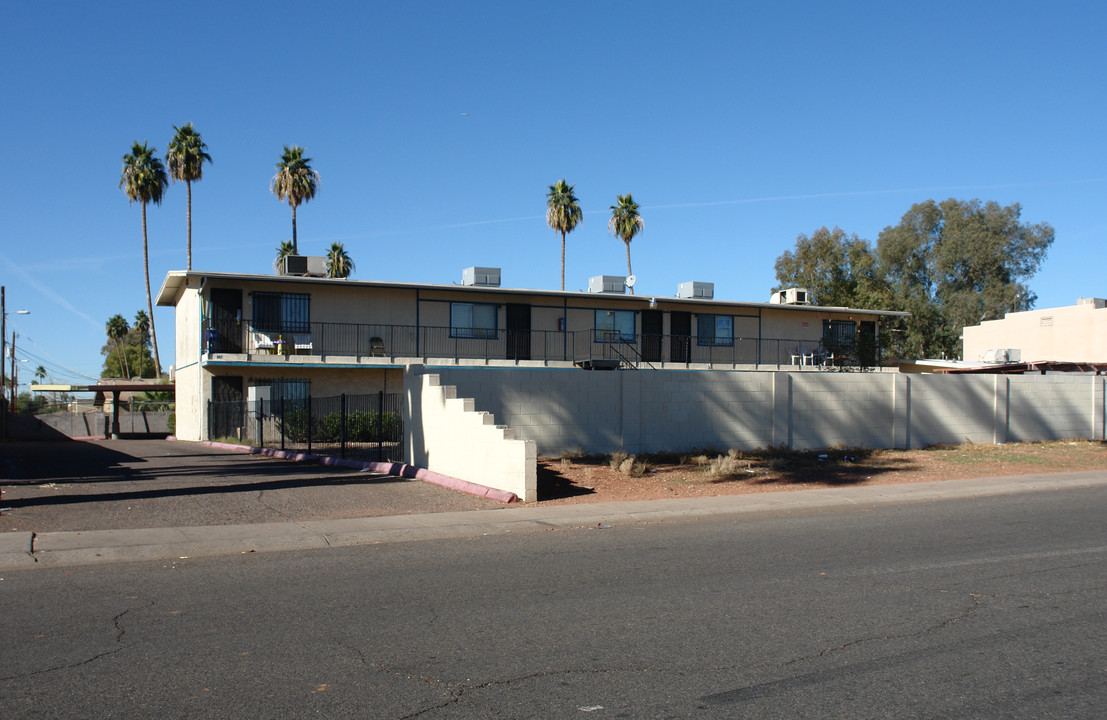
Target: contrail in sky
[{"x": 48, "y": 292}]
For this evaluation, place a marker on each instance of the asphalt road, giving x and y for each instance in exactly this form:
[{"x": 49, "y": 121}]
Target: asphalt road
[
  {"x": 110, "y": 484},
  {"x": 985, "y": 608}
]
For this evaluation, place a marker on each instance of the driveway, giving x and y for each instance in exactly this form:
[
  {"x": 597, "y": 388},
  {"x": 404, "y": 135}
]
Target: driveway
[{"x": 114, "y": 484}]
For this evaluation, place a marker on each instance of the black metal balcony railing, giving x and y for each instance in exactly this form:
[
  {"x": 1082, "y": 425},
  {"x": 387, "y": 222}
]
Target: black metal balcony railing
[{"x": 361, "y": 341}]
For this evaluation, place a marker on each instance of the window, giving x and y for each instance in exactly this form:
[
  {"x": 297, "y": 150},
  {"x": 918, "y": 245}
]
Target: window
[
  {"x": 614, "y": 326},
  {"x": 839, "y": 336},
  {"x": 282, "y": 312},
  {"x": 473, "y": 320},
  {"x": 293, "y": 392},
  {"x": 716, "y": 330}
]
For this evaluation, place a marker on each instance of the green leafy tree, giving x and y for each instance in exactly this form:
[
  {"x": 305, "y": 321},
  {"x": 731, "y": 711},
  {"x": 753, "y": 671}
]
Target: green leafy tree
[
  {"x": 283, "y": 251},
  {"x": 839, "y": 270},
  {"x": 295, "y": 182},
  {"x": 339, "y": 264},
  {"x": 144, "y": 181},
  {"x": 563, "y": 214},
  {"x": 958, "y": 262},
  {"x": 625, "y": 223},
  {"x": 185, "y": 160}
]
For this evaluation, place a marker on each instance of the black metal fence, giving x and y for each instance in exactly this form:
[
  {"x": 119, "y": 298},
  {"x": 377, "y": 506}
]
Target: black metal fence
[
  {"x": 633, "y": 350},
  {"x": 366, "y": 427}
]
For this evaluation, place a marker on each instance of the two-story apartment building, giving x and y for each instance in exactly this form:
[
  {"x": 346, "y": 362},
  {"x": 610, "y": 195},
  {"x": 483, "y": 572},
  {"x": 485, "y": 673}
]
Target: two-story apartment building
[{"x": 242, "y": 336}]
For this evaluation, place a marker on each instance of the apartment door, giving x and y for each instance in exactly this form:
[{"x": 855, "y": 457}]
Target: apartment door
[
  {"x": 652, "y": 329},
  {"x": 225, "y": 333},
  {"x": 228, "y": 407},
  {"x": 518, "y": 331},
  {"x": 680, "y": 342}
]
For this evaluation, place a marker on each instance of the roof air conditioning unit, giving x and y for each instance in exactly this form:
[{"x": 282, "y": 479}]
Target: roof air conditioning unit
[
  {"x": 702, "y": 290},
  {"x": 304, "y": 266},
  {"x": 608, "y": 284},
  {"x": 791, "y": 296},
  {"x": 481, "y": 276}
]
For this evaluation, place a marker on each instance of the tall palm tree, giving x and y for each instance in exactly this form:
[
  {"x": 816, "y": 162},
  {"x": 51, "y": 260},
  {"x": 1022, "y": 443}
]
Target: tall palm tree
[
  {"x": 283, "y": 251},
  {"x": 117, "y": 330},
  {"x": 563, "y": 215},
  {"x": 185, "y": 159},
  {"x": 295, "y": 182},
  {"x": 142, "y": 325},
  {"x": 144, "y": 181},
  {"x": 339, "y": 264},
  {"x": 40, "y": 374},
  {"x": 625, "y": 223}
]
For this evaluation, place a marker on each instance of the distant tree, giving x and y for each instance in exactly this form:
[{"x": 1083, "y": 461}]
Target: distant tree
[
  {"x": 144, "y": 181},
  {"x": 839, "y": 270},
  {"x": 295, "y": 182},
  {"x": 117, "y": 330},
  {"x": 283, "y": 251},
  {"x": 958, "y": 262},
  {"x": 40, "y": 374},
  {"x": 185, "y": 160},
  {"x": 625, "y": 223},
  {"x": 563, "y": 214},
  {"x": 142, "y": 328},
  {"x": 339, "y": 264}
]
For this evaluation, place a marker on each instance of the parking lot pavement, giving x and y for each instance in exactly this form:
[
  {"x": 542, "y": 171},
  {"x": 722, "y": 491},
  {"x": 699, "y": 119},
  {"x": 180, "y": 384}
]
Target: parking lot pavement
[{"x": 116, "y": 484}]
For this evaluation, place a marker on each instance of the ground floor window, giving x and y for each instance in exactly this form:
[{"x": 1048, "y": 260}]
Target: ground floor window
[
  {"x": 290, "y": 391},
  {"x": 473, "y": 320},
  {"x": 614, "y": 326},
  {"x": 716, "y": 330}
]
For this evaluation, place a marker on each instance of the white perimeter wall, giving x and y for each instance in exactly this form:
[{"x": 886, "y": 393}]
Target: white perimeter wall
[{"x": 645, "y": 411}]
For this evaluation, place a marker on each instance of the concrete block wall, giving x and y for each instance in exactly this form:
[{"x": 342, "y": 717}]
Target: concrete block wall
[
  {"x": 447, "y": 434},
  {"x": 569, "y": 409}
]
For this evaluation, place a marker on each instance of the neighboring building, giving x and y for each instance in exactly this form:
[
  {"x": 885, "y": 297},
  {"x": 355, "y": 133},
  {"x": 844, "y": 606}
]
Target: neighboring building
[
  {"x": 1073, "y": 334},
  {"x": 242, "y": 337}
]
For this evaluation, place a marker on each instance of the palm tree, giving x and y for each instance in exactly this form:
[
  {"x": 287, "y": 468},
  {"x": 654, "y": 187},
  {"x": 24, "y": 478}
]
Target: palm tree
[
  {"x": 185, "y": 159},
  {"x": 563, "y": 215},
  {"x": 117, "y": 330},
  {"x": 144, "y": 181},
  {"x": 283, "y": 251},
  {"x": 40, "y": 374},
  {"x": 625, "y": 223},
  {"x": 295, "y": 182},
  {"x": 339, "y": 264},
  {"x": 142, "y": 325}
]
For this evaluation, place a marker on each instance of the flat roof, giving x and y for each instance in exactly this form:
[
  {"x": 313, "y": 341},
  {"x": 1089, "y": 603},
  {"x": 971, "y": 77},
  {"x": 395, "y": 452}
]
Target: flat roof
[{"x": 175, "y": 281}]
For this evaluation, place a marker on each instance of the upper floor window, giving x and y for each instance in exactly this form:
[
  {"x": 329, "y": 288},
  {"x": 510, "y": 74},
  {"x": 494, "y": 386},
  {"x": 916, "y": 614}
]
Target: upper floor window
[
  {"x": 614, "y": 326},
  {"x": 473, "y": 320},
  {"x": 282, "y": 312},
  {"x": 716, "y": 330}
]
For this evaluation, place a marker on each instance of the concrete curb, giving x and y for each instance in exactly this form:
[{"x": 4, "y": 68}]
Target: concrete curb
[
  {"x": 396, "y": 469},
  {"x": 22, "y": 550}
]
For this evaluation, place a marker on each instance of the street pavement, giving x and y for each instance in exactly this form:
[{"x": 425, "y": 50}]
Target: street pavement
[{"x": 84, "y": 502}]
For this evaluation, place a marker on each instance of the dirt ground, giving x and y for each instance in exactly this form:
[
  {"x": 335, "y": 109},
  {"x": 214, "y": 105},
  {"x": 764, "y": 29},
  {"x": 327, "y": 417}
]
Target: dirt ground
[{"x": 575, "y": 479}]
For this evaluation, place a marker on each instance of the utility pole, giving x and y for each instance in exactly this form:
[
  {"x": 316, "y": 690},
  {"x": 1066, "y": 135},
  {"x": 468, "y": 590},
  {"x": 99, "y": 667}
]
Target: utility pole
[
  {"x": 14, "y": 386},
  {"x": 3, "y": 383}
]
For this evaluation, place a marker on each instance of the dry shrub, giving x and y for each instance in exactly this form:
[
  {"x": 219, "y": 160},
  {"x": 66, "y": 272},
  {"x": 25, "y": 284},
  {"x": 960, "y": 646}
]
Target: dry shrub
[
  {"x": 615, "y": 462},
  {"x": 725, "y": 465},
  {"x": 633, "y": 466}
]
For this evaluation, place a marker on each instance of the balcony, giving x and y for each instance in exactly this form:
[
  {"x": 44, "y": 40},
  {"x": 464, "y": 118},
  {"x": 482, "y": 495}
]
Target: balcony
[{"x": 401, "y": 344}]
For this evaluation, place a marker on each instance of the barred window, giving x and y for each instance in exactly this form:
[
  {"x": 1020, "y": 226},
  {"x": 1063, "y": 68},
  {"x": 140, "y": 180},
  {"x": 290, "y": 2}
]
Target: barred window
[{"x": 282, "y": 312}]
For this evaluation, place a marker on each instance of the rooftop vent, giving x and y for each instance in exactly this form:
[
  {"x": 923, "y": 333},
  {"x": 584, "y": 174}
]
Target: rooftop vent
[
  {"x": 791, "y": 296},
  {"x": 1097, "y": 303},
  {"x": 702, "y": 290},
  {"x": 304, "y": 266},
  {"x": 481, "y": 276},
  {"x": 608, "y": 284}
]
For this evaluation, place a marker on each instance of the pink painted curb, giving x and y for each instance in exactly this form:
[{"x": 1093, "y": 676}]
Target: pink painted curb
[{"x": 396, "y": 469}]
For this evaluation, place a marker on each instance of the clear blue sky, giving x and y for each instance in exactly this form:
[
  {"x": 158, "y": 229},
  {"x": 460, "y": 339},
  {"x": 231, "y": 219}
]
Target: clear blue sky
[{"x": 437, "y": 127}]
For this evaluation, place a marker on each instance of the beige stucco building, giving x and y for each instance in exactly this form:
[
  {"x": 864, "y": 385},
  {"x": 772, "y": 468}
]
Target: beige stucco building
[
  {"x": 244, "y": 336},
  {"x": 1077, "y": 334}
]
